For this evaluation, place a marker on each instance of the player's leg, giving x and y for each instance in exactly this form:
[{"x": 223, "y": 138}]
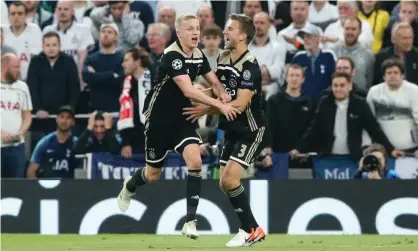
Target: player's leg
[
  {"x": 155, "y": 153},
  {"x": 188, "y": 146},
  {"x": 241, "y": 158},
  {"x": 191, "y": 155}
]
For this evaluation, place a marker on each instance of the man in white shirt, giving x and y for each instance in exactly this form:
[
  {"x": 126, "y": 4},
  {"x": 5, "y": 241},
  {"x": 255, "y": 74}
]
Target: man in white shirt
[
  {"x": 269, "y": 54},
  {"x": 322, "y": 13},
  {"x": 395, "y": 105},
  {"x": 75, "y": 38},
  {"x": 26, "y": 38},
  {"x": 362, "y": 57},
  {"x": 335, "y": 31},
  {"x": 251, "y": 8},
  {"x": 288, "y": 37},
  {"x": 16, "y": 107}
]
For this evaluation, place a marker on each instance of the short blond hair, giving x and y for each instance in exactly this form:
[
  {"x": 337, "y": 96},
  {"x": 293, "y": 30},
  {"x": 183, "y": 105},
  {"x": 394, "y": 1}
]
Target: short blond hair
[
  {"x": 399, "y": 26},
  {"x": 182, "y": 18}
]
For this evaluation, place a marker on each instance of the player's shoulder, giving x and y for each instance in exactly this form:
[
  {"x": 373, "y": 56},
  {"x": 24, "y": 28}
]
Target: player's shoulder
[
  {"x": 224, "y": 56},
  {"x": 174, "y": 50}
]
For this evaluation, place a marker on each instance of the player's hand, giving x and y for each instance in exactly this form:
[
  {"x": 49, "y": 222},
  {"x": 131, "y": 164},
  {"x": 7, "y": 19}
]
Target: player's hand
[
  {"x": 108, "y": 122},
  {"x": 229, "y": 111},
  {"x": 195, "y": 112},
  {"x": 397, "y": 154},
  {"x": 41, "y": 114},
  {"x": 225, "y": 98},
  {"x": 126, "y": 152},
  {"x": 204, "y": 150}
]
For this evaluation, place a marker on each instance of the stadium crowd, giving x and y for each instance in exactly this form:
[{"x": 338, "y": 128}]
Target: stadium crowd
[{"x": 72, "y": 59}]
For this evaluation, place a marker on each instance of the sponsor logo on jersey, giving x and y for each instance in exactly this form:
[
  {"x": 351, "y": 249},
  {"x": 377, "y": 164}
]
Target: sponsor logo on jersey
[
  {"x": 9, "y": 105},
  {"x": 232, "y": 83}
]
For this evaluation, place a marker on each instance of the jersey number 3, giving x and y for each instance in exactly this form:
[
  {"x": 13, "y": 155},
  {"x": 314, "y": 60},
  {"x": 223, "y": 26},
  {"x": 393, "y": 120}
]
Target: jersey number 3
[{"x": 242, "y": 152}]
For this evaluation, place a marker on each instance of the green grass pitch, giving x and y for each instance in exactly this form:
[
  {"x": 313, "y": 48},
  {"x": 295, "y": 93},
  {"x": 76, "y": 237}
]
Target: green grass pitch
[{"x": 108, "y": 242}]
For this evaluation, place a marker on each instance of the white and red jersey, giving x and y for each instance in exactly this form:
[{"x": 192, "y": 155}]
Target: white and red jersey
[
  {"x": 14, "y": 99},
  {"x": 27, "y": 44},
  {"x": 74, "y": 39}
]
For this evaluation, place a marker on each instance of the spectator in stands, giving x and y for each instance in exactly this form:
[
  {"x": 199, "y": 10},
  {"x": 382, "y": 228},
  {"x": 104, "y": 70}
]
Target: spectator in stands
[
  {"x": 322, "y": 13},
  {"x": 4, "y": 47},
  {"x": 103, "y": 72},
  {"x": 362, "y": 57},
  {"x": 270, "y": 55},
  {"x": 402, "y": 37},
  {"x": 212, "y": 39},
  {"x": 87, "y": 19},
  {"x": 253, "y": 7},
  {"x": 131, "y": 30},
  {"x": 289, "y": 112},
  {"x": 135, "y": 88},
  {"x": 335, "y": 31},
  {"x": 205, "y": 16},
  {"x": 158, "y": 36},
  {"x": 25, "y": 38},
  {"x": 167, "y": 15},
  {"x": 75, "y": 38},
  {"x": 183, "y": 7},
  {"x": 346, "y": 64},
  {"x": 339, "y": 122},
  {"x": 395, "y": 105},
  {"x": 378, "y": 19},
  {"x": 407, "y": 13},
  {"x": 319, "y": 64},
  {"x": 53, "y": 156},
  {"x": 52, "y": 80},
  {"x": 280, "y": 14},
  {"x": 288, "y": 37},
  {"x": 16, "y": 106},
  {"x": 378, "y": 158},
  {"x": 4, "y": 13},
  {"x": 99, "y": 136},
  {"x": 395, "y": 13},
  {"x": 35, "y": 14}
]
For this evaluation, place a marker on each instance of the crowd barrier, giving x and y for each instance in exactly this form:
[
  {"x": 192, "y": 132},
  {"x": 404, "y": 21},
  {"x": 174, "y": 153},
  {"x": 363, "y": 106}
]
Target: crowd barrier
[
  {"x": 308, "y": 207},
  {"x": 106, "y": 166}
]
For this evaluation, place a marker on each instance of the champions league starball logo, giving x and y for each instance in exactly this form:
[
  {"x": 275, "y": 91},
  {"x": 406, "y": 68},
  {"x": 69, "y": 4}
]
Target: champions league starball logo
[
  {"x": 246, "y": 75},
  {"x": 177, "y": 64}
]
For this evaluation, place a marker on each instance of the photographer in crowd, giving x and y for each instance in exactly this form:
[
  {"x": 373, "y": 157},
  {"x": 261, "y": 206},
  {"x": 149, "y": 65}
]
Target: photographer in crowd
[
  {"x": 373, "y": 165},
  {"x": 99, "y": 136}
]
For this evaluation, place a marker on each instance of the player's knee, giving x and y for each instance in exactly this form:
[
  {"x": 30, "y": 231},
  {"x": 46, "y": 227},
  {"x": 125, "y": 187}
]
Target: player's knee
[
  {"x": 228, "y": 182},
  {"x": 195, "y": 164},
  {"x": 153, "y": 174}
]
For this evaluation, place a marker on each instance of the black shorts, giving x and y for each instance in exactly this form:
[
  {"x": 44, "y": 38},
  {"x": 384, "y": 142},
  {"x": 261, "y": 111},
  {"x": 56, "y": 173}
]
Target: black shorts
[
  {"x": 243, "y": 148},
  {"x": 161, "y": 139}
]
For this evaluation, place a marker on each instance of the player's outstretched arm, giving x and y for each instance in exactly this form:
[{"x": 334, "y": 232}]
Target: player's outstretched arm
[
  {"x": 217, "y": 86},
  {"x": 185, "y": 84}
]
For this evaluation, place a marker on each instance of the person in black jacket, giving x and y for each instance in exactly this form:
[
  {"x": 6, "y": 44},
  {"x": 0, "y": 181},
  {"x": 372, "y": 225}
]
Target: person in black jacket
[
  {"x": 53, "y": 82},
  {"x": 99, "y": 136},
  {"x": 135, "y": 88},
  {"x": 403, "y": 38},
  {"x": 339, "y": 122},
  {"x": 289, "y": 113}
]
